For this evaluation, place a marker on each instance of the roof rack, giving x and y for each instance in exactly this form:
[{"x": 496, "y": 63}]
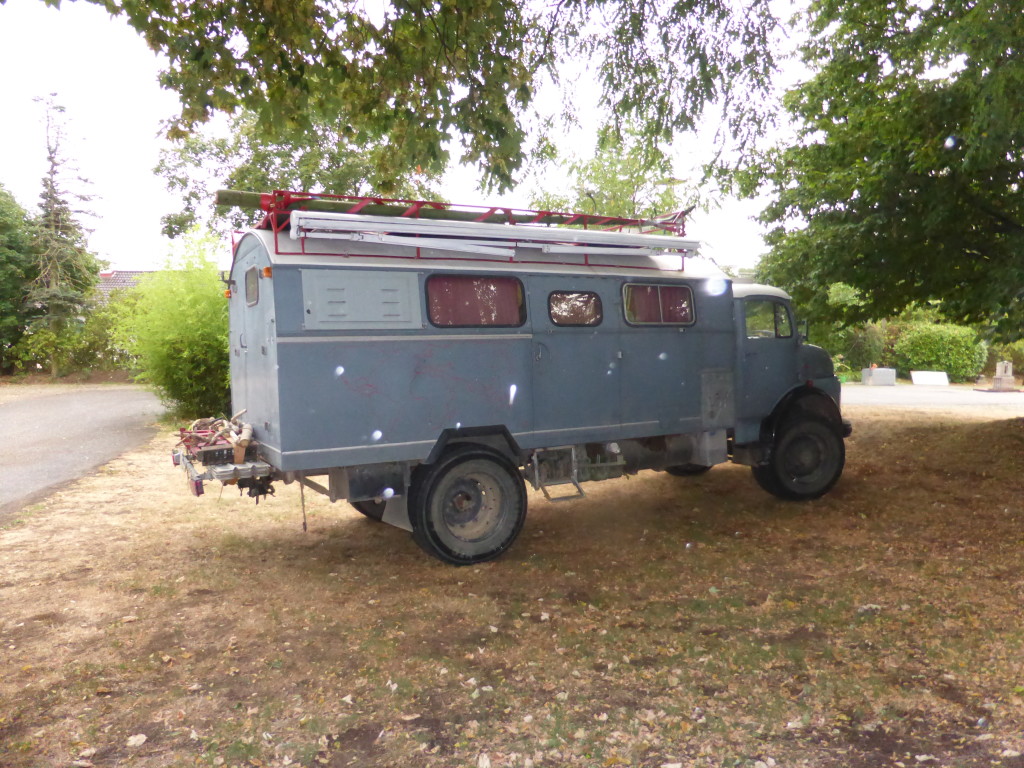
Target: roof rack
[
  {"x": 488, "y": 232},
  {"x": 282, "y": 203}
]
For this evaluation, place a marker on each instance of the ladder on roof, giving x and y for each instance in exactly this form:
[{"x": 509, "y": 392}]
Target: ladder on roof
[{"x": 486, "y": 239}]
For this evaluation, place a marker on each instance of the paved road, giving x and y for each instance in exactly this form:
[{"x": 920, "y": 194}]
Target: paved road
[
  {"x": 51, "y": 439},
  {"x": 952, "y": 398}
]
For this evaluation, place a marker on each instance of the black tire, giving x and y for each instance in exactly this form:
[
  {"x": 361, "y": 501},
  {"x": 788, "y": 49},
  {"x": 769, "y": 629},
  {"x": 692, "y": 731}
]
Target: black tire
[
  {"x": 372, "y": 509},
  {"x": 765, "y": 477},
  {"x": 468, "y": 507},
  {"x": 687, "y": 470},
  {"x": 806, "y": 460}
]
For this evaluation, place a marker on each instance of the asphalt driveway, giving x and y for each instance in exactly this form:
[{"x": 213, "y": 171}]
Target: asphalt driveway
[
  {"x": 959, "y": 397},
  {"x": 51, "y": 438}
]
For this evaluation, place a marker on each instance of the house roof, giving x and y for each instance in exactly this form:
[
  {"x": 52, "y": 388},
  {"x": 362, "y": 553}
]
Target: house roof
[{"x": 118, "y": 279}]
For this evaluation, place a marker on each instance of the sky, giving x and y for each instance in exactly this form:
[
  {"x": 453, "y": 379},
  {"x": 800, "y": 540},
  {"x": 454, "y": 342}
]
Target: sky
[{"x": 106, "y": 78}]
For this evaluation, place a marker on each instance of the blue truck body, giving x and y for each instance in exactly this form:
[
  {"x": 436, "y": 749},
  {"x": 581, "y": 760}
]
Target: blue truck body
[{"x": 425, "y": 375}]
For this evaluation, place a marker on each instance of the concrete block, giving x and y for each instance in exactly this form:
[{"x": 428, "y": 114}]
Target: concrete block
[
  {"x": 930, "y": 378},
  {"x": 878, "y": 377}
]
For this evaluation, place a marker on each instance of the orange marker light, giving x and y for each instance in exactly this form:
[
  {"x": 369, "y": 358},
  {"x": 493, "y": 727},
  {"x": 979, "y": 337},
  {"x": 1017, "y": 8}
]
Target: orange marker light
[
  {"x": 227, "y": 294},
  {"x": 268, "y": 271}
]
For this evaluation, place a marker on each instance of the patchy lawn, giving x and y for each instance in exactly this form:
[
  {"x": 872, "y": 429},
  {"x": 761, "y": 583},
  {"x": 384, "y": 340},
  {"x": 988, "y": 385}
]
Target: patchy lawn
[{"x": 660, "y": 621}]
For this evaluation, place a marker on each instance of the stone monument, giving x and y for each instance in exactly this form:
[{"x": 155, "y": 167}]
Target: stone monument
[{"x": 1003, "y": 381}]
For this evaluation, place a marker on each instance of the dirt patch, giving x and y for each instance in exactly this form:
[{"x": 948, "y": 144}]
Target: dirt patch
[{"x": 660, "y": 620}]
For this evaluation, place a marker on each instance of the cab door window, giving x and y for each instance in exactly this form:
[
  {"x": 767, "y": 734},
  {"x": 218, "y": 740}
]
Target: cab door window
[{"x": 767, "y": 319}]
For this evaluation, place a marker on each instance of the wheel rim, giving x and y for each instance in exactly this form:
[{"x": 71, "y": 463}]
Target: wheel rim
[
  {"x": 809, "y": 460},
  {"x": 472, "y": 507},
  {"x": 805, "y": 458},
  {"x": 469, "y": 507}
]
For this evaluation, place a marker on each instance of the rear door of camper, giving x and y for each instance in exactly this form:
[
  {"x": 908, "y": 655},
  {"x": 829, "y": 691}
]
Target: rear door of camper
[
  {"x": 576, "y": 370},
  {"x": 661, "y": 358}
]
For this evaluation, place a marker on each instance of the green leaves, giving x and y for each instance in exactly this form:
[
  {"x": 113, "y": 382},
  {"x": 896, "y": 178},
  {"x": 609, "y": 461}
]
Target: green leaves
[
  {"x": 425, "y": 75},
  {"x": 906, "y": 182},
  {"x": 624, "y": 178},
  {"x": 324, "y": 159},
  {"x": 16, "y": 266},
  {"x": 940, "y": 347},
  {"x": 177, "y": 327}
]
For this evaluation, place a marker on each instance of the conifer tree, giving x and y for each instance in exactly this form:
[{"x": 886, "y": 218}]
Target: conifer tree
[{"x": 65, "y": 272}]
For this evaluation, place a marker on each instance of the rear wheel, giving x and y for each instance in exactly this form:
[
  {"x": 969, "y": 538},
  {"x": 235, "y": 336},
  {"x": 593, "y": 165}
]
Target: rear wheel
[
  {"x": 687, "y": 470},
  {"x": 372, "y": 509},
  {"x": 806, "y": 460},
  {"x": 468, "y": 507}
]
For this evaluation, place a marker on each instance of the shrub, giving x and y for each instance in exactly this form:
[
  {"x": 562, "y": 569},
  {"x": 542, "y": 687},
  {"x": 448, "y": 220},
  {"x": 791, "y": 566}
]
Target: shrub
[
  {"x": 95, "y": 347},
  {"x": 177, "y": 328},
  {"x": 940, "y": 347},
  {"x": 862, "y": 345},
  {"x": 45, "y": 348}
]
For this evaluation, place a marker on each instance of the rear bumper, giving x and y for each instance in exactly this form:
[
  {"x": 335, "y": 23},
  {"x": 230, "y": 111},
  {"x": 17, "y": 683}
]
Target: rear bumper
[{"x": 226, "y": 473}]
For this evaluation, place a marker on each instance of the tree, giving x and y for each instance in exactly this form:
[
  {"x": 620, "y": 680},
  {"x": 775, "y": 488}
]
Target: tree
[
  {"x": 16, "y": 265},
  {"x": 906, "y": 181},
  {"x": 623, "y": 178},
  {"x": 424, "y": 73},
  {"x": 64, "y": 272},
  {"x": 319, "y": 160}
]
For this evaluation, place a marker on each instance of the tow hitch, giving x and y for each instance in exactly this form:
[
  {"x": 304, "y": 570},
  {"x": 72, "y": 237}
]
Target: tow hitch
[{"x": 222, "y": 449}]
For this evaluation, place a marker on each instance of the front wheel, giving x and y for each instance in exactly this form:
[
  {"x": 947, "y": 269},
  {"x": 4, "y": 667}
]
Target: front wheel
[
  {"x": 468, "y": 507},
  {"x": 806, "y": 460}
]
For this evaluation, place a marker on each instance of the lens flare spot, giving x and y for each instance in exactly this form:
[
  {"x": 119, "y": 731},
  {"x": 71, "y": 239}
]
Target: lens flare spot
[{"x": 716, "y": 286}]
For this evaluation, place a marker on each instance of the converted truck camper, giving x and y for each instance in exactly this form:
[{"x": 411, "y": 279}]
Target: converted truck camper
[{"x": 424, "y": 361}]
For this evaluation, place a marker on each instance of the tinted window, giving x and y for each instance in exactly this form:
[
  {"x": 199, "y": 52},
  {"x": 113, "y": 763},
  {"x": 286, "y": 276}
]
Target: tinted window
[
  {"x": 658, "y": 304},
  {"x": 465, "y": 301},
  {"x": 574, "y": 308},
  {"x": 252, "y": 286}
]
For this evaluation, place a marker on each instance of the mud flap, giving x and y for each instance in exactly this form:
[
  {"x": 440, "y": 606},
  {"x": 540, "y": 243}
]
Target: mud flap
[{"x": 396, "y": 513}]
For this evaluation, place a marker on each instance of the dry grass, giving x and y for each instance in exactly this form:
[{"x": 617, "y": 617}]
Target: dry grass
[{"x": 660, "y": 621}]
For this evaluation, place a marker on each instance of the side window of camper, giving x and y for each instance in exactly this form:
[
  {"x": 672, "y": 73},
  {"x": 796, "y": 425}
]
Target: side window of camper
[
  {"x": 658, "y": 304},
  {"x": 469, "y": 301},
  {"x": 252, "y": 286},
  {"x": 767, "y": 319},
  {"x": 574, "y": 308}
]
